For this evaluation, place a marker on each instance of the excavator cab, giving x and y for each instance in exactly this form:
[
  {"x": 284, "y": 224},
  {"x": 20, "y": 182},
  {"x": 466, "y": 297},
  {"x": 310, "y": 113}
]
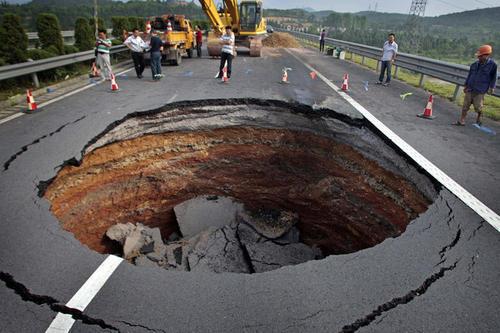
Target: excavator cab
[{"x": 250, "y": 15}]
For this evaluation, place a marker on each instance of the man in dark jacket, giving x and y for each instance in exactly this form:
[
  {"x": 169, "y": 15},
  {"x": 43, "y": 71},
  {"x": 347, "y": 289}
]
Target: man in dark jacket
[
  {"x": 156, "y": 46},
  {"x": 482, "y": 79}
]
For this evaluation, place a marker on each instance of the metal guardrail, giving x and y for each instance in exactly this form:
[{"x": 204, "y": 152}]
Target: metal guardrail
[
  {"x": 33, "y": 67},
  {"x": 449, "y": 72}
]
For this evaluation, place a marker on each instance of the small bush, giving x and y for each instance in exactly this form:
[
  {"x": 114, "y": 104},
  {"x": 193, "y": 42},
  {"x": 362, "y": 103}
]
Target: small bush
[
  {"x": 120, "y": 23},
  {"x": 14, "y": 39},
  {"x": 84, "y": 36},
  {"x": 68, "y": 49},
  {"x": 49, "y": 32},
  {"x": 37, "y": 54},
  {"x": 100, "y": 25}
]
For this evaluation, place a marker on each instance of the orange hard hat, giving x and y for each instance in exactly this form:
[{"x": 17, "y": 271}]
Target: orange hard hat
[{"x": 484, "y": 50}]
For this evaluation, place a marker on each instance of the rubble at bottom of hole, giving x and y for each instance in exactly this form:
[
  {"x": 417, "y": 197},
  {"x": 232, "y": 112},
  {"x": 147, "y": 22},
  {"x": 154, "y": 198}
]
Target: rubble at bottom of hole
[{"x": 240, "y": 247}]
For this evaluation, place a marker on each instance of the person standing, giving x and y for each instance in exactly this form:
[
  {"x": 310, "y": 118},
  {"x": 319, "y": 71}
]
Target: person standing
[
  {"x": 103, "y": 45},
  {"x": 482, "y": 79},
  {"x": 156, "y": 45},
  {"x": 137, "y": 46},
  {"x": 199, "y": 40},
  {"x": 322, "y": 37},
  {"x": 390, "y": 50},
  {"x": 227, "y": 54}
]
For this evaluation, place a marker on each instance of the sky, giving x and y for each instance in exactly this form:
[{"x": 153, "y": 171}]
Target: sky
[{"x": 434, "y": 7}]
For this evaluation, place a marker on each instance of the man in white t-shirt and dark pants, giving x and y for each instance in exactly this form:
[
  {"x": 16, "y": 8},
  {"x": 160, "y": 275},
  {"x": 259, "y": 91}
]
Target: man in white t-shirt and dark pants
[
  {"x": 227, "y": 54},
  {"x": 390, "y": 50},
  {"x": 137, "y": 46}
]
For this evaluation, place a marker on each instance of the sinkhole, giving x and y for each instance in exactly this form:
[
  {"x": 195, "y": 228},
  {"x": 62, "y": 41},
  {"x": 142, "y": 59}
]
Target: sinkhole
[{"x": 241, "y": 185}]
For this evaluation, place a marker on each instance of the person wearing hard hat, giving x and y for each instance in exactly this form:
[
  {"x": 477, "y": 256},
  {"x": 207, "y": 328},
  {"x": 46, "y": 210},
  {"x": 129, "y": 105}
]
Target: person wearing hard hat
[{"x": 482, "y": 79}]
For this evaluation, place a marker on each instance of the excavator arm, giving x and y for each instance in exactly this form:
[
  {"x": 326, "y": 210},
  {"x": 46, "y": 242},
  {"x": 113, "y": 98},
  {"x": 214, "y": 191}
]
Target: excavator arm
[
  {"x": 232, "y": 8},
  {"x": 210, "y": 10}
]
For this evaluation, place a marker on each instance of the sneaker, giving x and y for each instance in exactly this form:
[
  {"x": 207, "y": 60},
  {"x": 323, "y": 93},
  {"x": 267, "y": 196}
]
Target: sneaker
[
  {"x": 378, "y": 82},
  {"x": 386, "y": 84}
]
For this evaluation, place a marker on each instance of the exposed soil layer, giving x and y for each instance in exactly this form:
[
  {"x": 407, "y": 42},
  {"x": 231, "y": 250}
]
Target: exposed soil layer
[
  {"x": 139, "y": 170},
  {"x": 281, "y": 39}
]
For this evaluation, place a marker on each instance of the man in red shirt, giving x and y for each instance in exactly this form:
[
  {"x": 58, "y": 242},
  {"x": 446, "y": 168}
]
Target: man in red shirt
[{"x": 199, "y": 40}]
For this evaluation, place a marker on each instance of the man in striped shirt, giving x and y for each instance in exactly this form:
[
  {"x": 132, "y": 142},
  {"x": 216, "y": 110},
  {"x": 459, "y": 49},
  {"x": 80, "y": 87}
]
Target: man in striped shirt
[
  {"x": 227, "y": 54},
  {"x": 103, "y": 44}
]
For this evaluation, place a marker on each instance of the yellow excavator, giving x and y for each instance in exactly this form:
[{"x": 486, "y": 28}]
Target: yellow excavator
[{"x": 246, "y": 19}]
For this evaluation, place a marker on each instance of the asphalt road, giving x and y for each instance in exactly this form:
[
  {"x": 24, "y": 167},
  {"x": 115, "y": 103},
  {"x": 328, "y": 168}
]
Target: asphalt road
[{"x": 441, "y": 275}]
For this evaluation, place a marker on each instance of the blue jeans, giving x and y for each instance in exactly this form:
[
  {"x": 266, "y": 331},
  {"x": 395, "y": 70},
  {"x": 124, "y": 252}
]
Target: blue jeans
[
  {"x": 386, "y": 66},
  {"x": 155, "y": 64}
]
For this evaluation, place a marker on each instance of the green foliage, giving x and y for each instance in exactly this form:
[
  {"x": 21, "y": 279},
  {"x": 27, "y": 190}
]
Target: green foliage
[
  {"x": 49, "y": 32},
  {"x": 37, "y": 54},
  {"x": 68, "y": 49},
  {"x": 141, "y": 23},
  {"x": 204, "y": 24},
  {"x": 14, "y": 39},
  {"x": 132, "y": 23},
  {"x": 100, "y": 24},
  {"x": 84, "y": 36},
  {"x": 119, "y": 23}
]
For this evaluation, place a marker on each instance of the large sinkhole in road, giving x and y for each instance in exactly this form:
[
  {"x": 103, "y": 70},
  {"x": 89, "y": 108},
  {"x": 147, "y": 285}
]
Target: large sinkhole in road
[{"x": 237, "y": 186}]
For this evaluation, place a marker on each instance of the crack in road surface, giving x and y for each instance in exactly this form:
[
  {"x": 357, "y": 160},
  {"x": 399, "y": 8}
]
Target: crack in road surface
[
  {"x": 24, "y": 148},
  {"x": 53, "y": 303},
  {"x": 393, "y": 303}
]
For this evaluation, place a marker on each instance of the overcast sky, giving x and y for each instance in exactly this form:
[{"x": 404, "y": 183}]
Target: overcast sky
[{"x": 434, "y": 7}]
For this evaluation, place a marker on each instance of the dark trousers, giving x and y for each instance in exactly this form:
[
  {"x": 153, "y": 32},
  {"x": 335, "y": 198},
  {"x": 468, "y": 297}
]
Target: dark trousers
[
  {"x": 321, "y": 45},
  {"x": 198, "y": 49},
  {"x": 386, "y": 66},
  {"x": 155, "y": 64},
  {"x": 138, "y": 58},
  {"x": 223, "y": 58}
]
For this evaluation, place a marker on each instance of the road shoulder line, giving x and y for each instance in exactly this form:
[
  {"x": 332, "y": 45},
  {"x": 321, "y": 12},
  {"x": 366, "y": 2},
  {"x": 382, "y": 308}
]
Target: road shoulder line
[{"x": 466, "y": 197}]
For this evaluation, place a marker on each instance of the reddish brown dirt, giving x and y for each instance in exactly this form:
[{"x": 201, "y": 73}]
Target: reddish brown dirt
[{"x": 345, "y": 201}]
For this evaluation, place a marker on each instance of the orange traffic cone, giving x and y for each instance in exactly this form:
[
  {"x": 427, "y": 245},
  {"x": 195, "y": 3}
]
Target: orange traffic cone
[
  {"x": 345, "y": 84},
  {"x": 114, "y": 85},
  {"x": 225, "y": 79},
  {"x": 31, "y": 101},
  {"x": 313, "y": 75},
  {"x": 428, "y": 110},
  {"x": 284, "y": 78},
  {"x": 148, "y": 27}
]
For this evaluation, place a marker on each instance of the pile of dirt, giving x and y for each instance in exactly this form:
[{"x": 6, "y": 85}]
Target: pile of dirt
[{"x": 280, "y": 39}]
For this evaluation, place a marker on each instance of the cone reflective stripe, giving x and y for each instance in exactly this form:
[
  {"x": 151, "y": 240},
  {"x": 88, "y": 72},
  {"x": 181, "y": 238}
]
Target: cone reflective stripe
[
  {"x": 284, "y": 78},
  {"x": 345, "y": 84},
  {"x": 114, "y": 85},
  {"x": 428, "y": 110},
  {"x": 148, "y": 27},
  {"x": 224, "y": 73},
  {"x": 31, "y": 101}
]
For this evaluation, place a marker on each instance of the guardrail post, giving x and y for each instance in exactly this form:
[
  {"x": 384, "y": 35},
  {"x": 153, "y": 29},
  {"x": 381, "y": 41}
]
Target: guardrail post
[
  {"x": 34, "y": 77},
  {"x": 456, "y": 94},
  {"x": 363, "y": 60},
  {"x": 378, "y": 65},
  {"x": 396, "y": 70},
  {"x": 422, "y": 79}
]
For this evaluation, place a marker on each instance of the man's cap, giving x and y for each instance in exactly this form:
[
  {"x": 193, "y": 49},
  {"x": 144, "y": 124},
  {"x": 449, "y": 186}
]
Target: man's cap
[{"x": 484, "y": 50}]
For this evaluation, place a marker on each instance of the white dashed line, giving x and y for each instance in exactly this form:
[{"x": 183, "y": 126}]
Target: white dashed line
[
  {"x": 481, "y": 209},
  {"x": 82, "y": 298}
]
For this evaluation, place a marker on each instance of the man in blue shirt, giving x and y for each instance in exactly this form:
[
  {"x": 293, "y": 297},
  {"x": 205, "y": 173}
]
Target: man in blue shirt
[{"x": 482, "y": 79}]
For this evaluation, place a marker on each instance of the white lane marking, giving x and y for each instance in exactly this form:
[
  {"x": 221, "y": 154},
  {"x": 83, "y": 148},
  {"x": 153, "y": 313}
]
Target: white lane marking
[
  {"x": 481, "y": 209},
  {"x": 171, "y": 99},
  {"x": 82, "y": 298},
  {"x": 41, "y": 105},
  {"x": 12, "y": 117}
]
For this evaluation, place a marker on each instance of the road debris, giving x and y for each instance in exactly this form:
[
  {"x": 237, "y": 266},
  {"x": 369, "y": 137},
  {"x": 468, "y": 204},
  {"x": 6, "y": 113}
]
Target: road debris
[{"x": 281, "y": 39}]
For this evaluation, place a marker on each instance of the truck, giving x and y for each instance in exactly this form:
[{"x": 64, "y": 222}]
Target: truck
[{"x": 176, "y": 32}]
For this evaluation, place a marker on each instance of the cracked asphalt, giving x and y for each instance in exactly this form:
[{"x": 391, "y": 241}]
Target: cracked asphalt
[{"x": 441, "y": 275}]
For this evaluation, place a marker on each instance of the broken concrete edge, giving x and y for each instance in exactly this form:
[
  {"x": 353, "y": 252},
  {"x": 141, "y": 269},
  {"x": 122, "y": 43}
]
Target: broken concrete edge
[{"x": 293, "y": 106}]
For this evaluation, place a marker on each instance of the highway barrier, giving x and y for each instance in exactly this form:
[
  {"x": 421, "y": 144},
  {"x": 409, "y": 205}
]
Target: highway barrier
[
  {"x": 33, "y": 67},
  {"x": 445, "y": 71}
]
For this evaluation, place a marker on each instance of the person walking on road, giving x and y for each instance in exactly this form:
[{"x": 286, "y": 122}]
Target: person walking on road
[
  {"x": 322, "y": 37},
  {"x": 137, "y": 47},
  {"x": 482, "y": 79},
  {"x": 390, "y": 50},
  {"x": 156, "y": 45},
  {"x": 103, "y": 45},
  {"x": 227, "y": 54},
  {"x": 199, "y": 40}
]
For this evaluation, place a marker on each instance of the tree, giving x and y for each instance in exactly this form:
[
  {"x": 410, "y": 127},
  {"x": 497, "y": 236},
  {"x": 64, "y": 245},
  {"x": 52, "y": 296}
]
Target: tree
[
  {"x": 13, "y": 48},
  {"x": 84, "y": 36},
  {"x": 100, "y": 24},
  {"x": 132, "y": 23},
  {"x": 49, "y": 32},
  {"x": 119, "y": 23}
]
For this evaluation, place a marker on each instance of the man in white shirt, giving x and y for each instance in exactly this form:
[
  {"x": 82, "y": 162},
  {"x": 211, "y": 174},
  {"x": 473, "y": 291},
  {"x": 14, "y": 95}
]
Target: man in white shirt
[
  {"x": 137, "y": 46},
  {"x": 390, "y": 50},
  {"x": 227, "y": 54}
]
